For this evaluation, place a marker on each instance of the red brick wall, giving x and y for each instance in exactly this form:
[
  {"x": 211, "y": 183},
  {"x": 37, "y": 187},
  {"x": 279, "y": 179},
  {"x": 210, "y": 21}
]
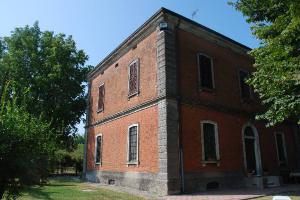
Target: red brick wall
[
  {"x": 226, "y": 64},
  {"x": 229, "y": 128},
  {"x": 114, "y": 149},
  {"x": 230, "y": 141},
  {"x": 116, "y": 99},
  {"x": 116, "y": 80}
]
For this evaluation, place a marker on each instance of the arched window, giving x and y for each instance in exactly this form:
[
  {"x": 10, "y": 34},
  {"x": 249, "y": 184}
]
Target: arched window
[
  {"x": 249, "y": 132},
  {"x": 251, "y": 148}
]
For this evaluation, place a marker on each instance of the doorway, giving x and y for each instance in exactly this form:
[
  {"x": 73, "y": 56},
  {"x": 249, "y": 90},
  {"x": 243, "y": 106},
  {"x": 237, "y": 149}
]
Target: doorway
[{"x": 251, "y": 151}]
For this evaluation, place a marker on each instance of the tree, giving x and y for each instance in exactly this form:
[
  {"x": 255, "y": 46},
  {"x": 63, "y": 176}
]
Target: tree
[
  {"x": 70, "y": 158},
  {"x": 276, "y": 23},
  {"x": 26, "y": 146},
  {"x": 78, "y": 152},
  {"x": 53, "y": 70}
]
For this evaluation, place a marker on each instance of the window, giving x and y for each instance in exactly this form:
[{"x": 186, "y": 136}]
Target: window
[
  {"x": 281, "y": 150},
  {"x": 98, "y": 149},
  {"x": 210, "y": 143},
  {"x": 101, "y": 92},
  {"x": 133, "y": 76},
  {"x": 205, "y": 70},
  {"x": 133, "y": 144},
  {"x": 245, "y": 88}
]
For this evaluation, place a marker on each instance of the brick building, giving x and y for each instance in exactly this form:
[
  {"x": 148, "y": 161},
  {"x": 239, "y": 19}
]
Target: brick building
[{"x": 169, "y": 111}]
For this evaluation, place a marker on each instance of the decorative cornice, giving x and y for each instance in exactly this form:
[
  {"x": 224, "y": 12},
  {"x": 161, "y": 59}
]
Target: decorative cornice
[
  {"x": 217, "y": 107},
  {"x": 124, "y": 113},
  {"x": 184, "y": 101},
  {"x": 143, "y": 31},
  {"x": 150, "y": 25}
]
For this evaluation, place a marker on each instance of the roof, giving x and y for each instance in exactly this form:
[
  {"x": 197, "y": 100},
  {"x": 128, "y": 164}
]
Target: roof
[{"x": 160, "y": 12}]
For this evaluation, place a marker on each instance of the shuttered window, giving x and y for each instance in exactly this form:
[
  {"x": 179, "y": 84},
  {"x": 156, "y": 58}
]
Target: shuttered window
[
  {"x": 133, "y": 144},
  {"x": 98, "y": 153},
  {"x": 101, "y": 92},
  {"x": 209, "y": 141},
  {"x": 245, "y": 88},
  {"x": 205, "y": 70},
  {"x": 133, "y": 82}
]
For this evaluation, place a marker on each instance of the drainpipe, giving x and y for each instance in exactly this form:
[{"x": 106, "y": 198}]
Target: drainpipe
[
  {"x": 87, "y": 117},
  {"x": 181, "y": 165}
]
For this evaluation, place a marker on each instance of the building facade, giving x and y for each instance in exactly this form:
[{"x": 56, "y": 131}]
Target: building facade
[{"x": 169, "y": 111}]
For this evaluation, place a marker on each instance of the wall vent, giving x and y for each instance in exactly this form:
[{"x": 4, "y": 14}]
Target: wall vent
[
  {"x": 111, "y": 182},
  {"x": 212, "y": 185}
]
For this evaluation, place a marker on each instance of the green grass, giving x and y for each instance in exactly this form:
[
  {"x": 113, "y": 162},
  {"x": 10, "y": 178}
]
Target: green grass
[
  {"x": 72, "y": 190},
  {"x": 292, "y": 195}
]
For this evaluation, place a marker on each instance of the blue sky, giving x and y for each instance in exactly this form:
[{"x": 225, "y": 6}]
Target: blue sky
[{"x": 98, "y": 26}]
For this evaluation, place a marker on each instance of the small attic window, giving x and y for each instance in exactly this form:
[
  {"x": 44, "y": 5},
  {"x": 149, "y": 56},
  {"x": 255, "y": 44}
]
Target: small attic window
[{"x": 116, "y": 65}]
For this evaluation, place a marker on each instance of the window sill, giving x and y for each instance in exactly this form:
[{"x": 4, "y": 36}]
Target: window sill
[
  {"x": 99, "y": 111},
  {"x": 204, "y": 89},
  {"x": 132, "y": 163},
  {"x": 205, "y": 162},
  {"x": 132, "y": 95}
]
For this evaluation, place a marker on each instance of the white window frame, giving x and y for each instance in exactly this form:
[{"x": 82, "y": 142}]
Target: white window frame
[
  {"x": 240, "y": 86},
  {"x": 284, "y": 147},
  {"x": 256, "y": 147},
  {"x": 98, "y": 110},
  {"x": 212, "y": 72},
  {"x": 100, "y": 162},
  {"x": 136, "y": 162},
  {"x": 217, "y": 161},
  {"x": 138, "y": 78}
]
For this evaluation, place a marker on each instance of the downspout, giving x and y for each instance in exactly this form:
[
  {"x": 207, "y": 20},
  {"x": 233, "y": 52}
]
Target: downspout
[
  {"x": 87, "y": 117},
  {"x": 181, "y": 165}
]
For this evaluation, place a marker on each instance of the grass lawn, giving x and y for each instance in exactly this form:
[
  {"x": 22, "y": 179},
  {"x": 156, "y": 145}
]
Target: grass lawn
[
  {"x": 292, "y": 195},
  {"x": 72, "y": 189}
]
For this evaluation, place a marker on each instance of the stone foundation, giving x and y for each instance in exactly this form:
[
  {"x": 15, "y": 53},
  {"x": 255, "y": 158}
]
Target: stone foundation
[
  {"x": 197, "y": 182},
  {"x": 150, "y": 182}
]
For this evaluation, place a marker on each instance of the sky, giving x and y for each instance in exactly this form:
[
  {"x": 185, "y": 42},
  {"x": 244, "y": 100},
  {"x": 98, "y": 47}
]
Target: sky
[{"x": 99, "y": 26}]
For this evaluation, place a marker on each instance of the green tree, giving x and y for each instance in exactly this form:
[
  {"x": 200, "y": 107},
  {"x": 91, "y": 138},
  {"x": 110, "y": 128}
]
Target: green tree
[
  {"x": 26, "y": 146},
  {"x": 53, "y": 70},
  {"x": 70, "y": 158},
  {"x": 276, "y": 23},
  {"x": 78, "y": 152}
]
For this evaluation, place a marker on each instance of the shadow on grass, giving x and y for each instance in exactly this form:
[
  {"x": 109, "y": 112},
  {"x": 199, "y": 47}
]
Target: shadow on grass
[
  {"x": 38, "y": 193},
  {"x": 65, "y": 179},
  {"x": 59, "y": 185}
]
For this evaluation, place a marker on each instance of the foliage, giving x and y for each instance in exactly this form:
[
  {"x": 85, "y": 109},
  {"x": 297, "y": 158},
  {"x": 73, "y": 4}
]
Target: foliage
[
  {"x": 26, "y": 145},
  {"x": 70, "y": 158},
  {"x": 276, "y": 23},
  {"x": 52, "y": 69}
]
